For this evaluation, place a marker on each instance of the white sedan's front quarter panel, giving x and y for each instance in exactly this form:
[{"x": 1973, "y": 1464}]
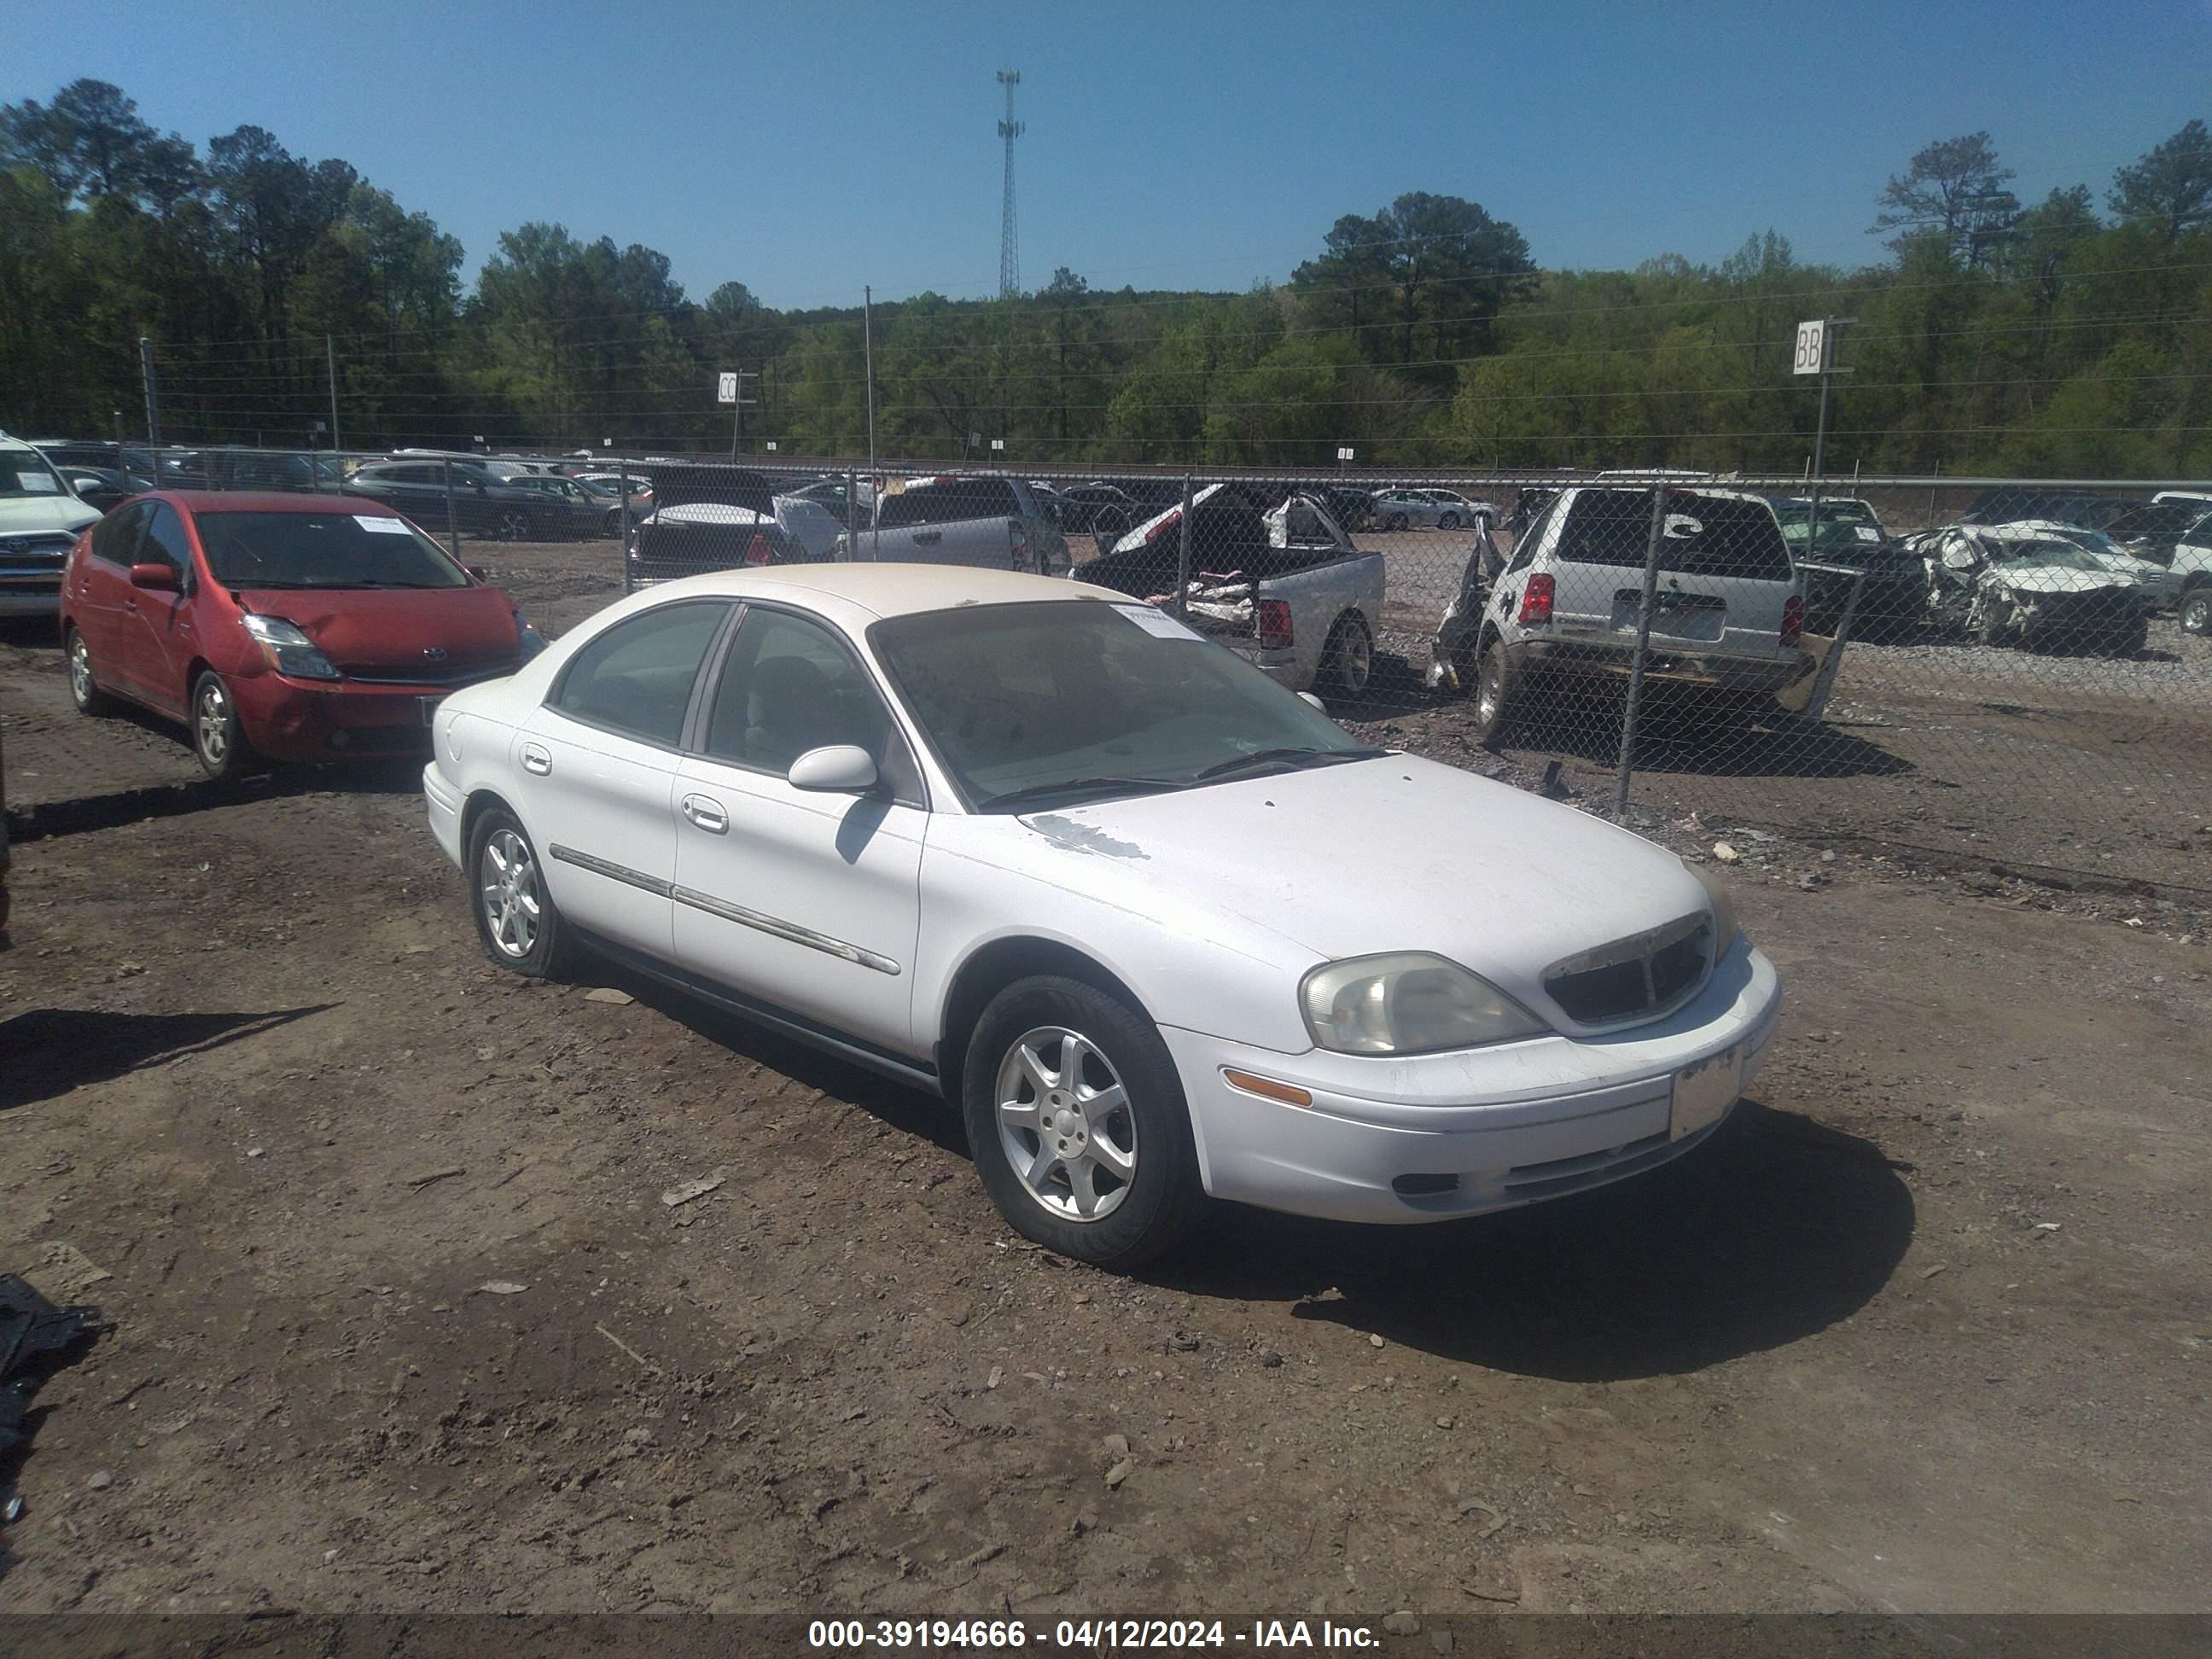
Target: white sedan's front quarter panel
[{"x": 990, "y": 877}]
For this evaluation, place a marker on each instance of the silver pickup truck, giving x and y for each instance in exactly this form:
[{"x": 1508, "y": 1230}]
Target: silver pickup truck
[
  {"x": 991, "y": 522},
  {"x": 1282, "y": 587}
]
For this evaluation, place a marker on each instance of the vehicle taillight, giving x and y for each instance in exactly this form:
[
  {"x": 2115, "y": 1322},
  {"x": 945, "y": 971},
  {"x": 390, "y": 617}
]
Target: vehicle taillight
[
  {"x": 1172, "y": 522},
  {"x": 1536, "y": 600},
  {"x": 1793, "y": 619},
  {"x": 758, "y": 551},
  {"x": 1274, "y": 616}
]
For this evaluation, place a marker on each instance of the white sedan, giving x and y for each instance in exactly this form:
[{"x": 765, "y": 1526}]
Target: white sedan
[{"x": 1158, "y": 928}]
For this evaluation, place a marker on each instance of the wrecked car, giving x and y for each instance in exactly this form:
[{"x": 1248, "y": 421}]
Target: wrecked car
[
  {"x": 2058, "y": 597},
  {"x": 1286, "y": 588},
  {"x": 1159, "y": 930},
  {"x": 2053, "y": 594}
]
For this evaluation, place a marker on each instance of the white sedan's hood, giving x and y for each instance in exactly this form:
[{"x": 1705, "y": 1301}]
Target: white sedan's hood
[{"x": 1394, "y": 853}]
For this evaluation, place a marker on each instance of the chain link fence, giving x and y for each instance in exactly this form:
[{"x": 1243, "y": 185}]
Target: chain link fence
[{"x": 2017, "y": 672}]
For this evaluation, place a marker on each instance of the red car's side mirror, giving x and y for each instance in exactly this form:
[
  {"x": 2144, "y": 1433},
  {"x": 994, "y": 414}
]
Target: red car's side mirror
[{"x": 160, "y": 578}]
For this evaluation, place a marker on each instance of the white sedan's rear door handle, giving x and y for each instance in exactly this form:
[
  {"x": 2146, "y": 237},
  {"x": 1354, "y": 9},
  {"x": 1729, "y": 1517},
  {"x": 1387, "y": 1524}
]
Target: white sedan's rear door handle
[
  {"x": 706, "y": 814},
  {"x": 535, "y": 759}
]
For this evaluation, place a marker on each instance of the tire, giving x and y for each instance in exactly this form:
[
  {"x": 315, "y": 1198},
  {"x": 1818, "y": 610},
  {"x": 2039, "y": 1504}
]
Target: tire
[
  {"x": 516, "y": 923},
  {"x": 1449, "y": 521},
  {"x": 1395, "y": 521},
  {"x": 218, "y": 740},
  {"x": 84, "y": 689},
  {"x": 1144, "y": 1193},
  {"x": 513, "y": 524},
  {"x": 2196, "y": 611},
  {"x": 1347, "y": 661},
  {"x": 1496, "y": 693}
]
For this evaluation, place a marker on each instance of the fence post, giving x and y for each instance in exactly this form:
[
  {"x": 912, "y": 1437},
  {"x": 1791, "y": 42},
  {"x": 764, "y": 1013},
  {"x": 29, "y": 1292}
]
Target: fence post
[
  {"x": 852, "y": 506},
  {"x": 1629, "y": 707},
  {"x": 1182, "y": 559},
  {"x": 622, "y": 547},
  {"x": 331, "y": 357},
  {"x": 453, "y": 525},
  {"x": 153, "y": 392}
]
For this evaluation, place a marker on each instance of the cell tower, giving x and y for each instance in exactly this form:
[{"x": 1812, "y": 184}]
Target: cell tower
[{"x": 1010, "y": 256}]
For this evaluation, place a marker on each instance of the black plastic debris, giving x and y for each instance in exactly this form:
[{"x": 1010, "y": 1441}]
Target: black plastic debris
[{"x": 33, "y": 1335}]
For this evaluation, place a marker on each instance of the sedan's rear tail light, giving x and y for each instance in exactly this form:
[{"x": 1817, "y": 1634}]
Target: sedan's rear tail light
[
  {"x": 759, "y": 552},
  {"x": 1536, "y": 600},
  {"x": 1273, "y": 617},
  {"x": 1793, "y": 619}
]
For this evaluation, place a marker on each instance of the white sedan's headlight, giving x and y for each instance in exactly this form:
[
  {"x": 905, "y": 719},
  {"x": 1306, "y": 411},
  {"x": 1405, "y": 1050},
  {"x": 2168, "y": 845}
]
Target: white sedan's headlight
[
  {"x": 1408, "y": 1003},
  {"x": 1725, "y": 930}
]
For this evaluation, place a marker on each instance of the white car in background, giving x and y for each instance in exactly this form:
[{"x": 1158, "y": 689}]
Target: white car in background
[
  {"x": 1038, "y": 848},
  {"x": 41, "y": 518},
  {"x": 2161, "y": 583}
]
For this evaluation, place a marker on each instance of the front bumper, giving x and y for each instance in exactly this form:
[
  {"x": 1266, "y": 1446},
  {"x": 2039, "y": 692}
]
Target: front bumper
[
  {"x": 289, "y": 719},
  {"x": 31, "y": 592},
  {"x": 1438, "y": 1136},
  {"x": 442, "y": 803}
]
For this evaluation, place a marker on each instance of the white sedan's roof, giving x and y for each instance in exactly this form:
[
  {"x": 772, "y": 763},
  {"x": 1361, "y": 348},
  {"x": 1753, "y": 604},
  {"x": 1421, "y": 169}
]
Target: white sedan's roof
[{"x": 884, "y": 590}]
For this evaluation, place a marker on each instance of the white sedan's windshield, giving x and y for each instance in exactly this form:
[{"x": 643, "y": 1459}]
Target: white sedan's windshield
[{"x": 1029, "y": 703}]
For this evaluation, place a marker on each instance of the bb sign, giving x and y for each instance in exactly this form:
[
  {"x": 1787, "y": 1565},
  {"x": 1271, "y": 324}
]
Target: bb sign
[{"x": 1812, "y": 356}]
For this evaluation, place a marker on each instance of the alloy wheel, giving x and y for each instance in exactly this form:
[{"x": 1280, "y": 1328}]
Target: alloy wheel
[
  {"x": 82, "y": 686},
  {"x": 513, "y": 909},
  {"x": 1065, "y": 1125},
  {"x": 212, "y": 723}
]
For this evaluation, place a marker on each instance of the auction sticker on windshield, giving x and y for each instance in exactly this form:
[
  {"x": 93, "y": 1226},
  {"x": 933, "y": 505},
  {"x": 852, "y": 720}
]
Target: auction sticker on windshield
[
  {"x": 1704, "y": 1092},
  {"x": 1155, "y": 621},
  {"x": 381, "y": 526}
]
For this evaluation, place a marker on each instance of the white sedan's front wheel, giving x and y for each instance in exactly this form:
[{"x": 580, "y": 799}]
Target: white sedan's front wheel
[{"x": 1078, "y": 1124}]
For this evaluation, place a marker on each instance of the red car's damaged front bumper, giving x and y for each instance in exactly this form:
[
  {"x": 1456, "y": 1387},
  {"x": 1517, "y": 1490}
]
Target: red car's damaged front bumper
[{"x": 296, "y": 720}]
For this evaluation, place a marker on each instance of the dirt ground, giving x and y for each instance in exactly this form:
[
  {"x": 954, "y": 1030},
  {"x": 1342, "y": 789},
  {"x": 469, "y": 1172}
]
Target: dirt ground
[{"x": 402, "y": 1320}]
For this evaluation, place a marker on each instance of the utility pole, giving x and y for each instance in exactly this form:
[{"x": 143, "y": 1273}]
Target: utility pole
[
  {"x": 875, "y": 479},
  {"x": 730, "y": 388}
]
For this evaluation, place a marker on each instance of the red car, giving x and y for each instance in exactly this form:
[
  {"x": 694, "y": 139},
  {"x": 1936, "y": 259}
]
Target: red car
[{"x": 292, "y": 628}]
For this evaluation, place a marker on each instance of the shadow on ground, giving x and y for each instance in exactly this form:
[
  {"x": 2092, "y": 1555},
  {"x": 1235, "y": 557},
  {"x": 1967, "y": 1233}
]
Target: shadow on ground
[
  {"x": 47, "y": 819},
  {"x": 52, "y": 1051},
  {"x": 1776, "y": 1229}
]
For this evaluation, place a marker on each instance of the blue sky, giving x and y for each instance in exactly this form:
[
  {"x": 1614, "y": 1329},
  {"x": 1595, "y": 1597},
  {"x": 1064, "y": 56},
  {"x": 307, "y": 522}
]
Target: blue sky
[{"x": 809, "y": 149}]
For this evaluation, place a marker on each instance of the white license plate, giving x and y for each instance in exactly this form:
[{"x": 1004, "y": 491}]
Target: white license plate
[
  {"x": 430, "y": 708},
  {"x": 1704, "y": 1092}
]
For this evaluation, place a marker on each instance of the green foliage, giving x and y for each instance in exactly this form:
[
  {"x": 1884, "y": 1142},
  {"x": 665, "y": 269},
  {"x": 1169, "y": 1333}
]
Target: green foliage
[{"x": 2041, "y": 340}]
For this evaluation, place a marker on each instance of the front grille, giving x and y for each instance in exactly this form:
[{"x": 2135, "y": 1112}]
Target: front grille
[
  {"x": 1639, "y": 977},
  {"x": 441, "y": 674}
]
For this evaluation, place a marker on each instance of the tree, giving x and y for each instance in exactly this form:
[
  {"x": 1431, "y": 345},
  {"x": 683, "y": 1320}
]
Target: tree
[
  {"x": 1437, "y": 267},
  {"x": 1956, "y": 189},
  {"x": 2170, "y": 186},
  {"x": 91, "y": 142}
]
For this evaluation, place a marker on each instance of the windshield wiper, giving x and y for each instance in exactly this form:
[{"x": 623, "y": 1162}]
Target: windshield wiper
[
  {"x": 1036, "y": 792},
  {"x": 1293, "y": 757}
]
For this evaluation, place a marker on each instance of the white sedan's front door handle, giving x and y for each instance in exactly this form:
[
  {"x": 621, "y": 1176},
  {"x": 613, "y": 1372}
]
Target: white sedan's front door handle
[{"x": 708, "y": 814}]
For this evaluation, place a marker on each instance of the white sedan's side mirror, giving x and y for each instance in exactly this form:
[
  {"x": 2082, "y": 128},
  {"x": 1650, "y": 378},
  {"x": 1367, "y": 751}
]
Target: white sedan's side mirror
[
  {"x": 1309, "y": 697},
  {"x": 840, "y": 769}
]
